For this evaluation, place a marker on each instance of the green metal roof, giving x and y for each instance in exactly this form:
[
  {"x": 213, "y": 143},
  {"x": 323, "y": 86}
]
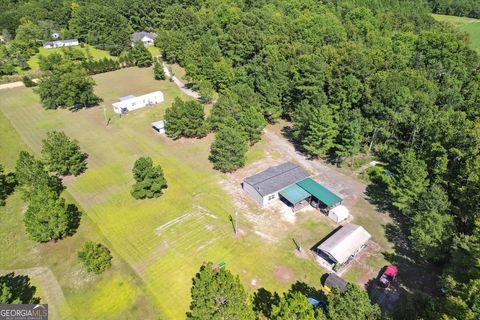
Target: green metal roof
[
  {"x": 320, "y": 192},
  {"x": 294, "y": 194}
]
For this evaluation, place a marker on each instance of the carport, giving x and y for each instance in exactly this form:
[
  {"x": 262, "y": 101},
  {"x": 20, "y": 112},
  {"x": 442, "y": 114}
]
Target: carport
[
  {"x": 296, "y": 196},
  {"x": 325, "y": 198}
]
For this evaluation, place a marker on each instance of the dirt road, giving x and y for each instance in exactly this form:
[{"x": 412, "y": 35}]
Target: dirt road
[
  {"x": 180, "y": 84},
  {"x": 12, "y": 85}
]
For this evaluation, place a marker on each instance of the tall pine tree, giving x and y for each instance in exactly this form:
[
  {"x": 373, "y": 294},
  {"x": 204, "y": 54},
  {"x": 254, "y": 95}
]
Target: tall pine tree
[
  {"x": 321, "y": 131},
  {"x": 228, "y": 150},
  {"x": 217, "y": 295}
]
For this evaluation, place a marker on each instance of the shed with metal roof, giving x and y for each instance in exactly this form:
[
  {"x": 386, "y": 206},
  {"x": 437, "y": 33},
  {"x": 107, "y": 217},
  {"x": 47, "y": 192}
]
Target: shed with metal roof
[
  {"x": 344, "y": 244},
  {"x": 325, "y": 196}
]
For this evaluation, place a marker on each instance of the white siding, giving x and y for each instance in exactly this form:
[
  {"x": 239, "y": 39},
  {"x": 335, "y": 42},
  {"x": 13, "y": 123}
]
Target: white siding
[
  {"x": 138, "y": 102},
  {"x": 270, "y": 198},
  {"x": 253, "y": 193}
]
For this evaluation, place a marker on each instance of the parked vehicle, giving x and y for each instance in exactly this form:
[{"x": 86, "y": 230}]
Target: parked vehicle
[{"x": 388, "y": 276}]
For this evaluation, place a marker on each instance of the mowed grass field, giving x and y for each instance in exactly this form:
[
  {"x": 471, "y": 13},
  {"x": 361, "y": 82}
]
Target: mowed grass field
[
  {"x": 165, "y": 240},
  {"x": 469, "y": 25},
  {"x": 125, "y": 300}
]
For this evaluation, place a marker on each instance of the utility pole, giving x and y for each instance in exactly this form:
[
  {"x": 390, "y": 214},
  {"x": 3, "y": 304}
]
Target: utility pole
[
  {"x": 236, "y": 222},
  {"x": 105, "y": 115}
]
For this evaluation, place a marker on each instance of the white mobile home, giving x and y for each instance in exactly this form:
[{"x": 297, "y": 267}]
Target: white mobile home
[
  {"x": 130, "y": 103},
  {"x": 60, "y": 43}
]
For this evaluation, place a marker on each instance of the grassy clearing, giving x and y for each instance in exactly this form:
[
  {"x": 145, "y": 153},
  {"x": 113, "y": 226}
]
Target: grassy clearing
[
  {"x": 20, "y": 252},
  {"x": 163, "y": 240},
  {"x": 178, "y": 72},
  {"x": 87, "y": 50},
  {"x": 469, "y": 25},
  {"x": 154, "y": 50}
]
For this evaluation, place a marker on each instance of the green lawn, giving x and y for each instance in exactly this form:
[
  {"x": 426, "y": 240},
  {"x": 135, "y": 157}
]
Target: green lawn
[
  {"x": 153, "y": 50},
  {"x": 78, "y": 287},
  {"x": 86, "y": 50},
  {"x": 469, "y": 25},
  {"x": 165, "y": 240}
]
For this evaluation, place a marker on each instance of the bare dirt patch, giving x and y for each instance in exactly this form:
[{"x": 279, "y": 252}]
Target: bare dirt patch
[{"x": 283, "y": 274}]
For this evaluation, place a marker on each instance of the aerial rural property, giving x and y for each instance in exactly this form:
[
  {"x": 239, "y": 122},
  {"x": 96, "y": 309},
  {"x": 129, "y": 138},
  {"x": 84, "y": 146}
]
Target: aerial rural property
[{"x": 313, "y": 160}]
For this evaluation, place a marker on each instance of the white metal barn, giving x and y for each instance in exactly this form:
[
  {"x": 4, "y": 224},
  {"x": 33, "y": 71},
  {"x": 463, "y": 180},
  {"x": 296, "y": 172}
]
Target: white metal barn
[
  {"x": 130, "y": 103},
  {"x": 344, "y": 244}
]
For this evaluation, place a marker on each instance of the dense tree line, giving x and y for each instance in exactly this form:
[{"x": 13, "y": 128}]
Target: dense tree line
[{"x": 461, "y": 8}]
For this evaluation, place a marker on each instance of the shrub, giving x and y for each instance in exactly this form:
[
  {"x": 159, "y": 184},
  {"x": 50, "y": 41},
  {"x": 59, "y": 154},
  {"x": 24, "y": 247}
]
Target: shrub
[
  {"x": 28, "y": 82},
  {"x": 95, "y": 257}
]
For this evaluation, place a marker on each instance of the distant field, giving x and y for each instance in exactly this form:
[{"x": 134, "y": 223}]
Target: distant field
[
  {"x": 87, "y": 49},
  {"x": 468, "y": 25}
]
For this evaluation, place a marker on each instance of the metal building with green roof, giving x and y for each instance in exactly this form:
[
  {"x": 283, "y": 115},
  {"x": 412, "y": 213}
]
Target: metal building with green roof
[{"x": 322, "y": 194}]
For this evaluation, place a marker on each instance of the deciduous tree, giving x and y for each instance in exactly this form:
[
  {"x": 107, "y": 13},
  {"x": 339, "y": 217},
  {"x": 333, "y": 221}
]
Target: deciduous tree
[
  {"x": 353, "y": 304},
  {"x": 67, "y": 86},
  {"x": 17, "y": 289},
  {"x": 95, "y": 257},
  {"x": 293, "y": 306},
  {"x": 7, "y": 185},
  {"x": 31, "y": 175},
  {"x": 48, "y": 217}
]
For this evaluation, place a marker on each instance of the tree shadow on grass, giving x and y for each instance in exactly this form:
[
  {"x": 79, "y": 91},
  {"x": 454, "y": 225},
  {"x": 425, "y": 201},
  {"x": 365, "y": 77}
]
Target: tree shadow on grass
[
  {"x": 308, "y": 291},
  {"x": 75, "y": 215},
  {"x": 20, "y": 288},
  {"x": 8, "y": 187},
  {"x": 263, "y": 301}
]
